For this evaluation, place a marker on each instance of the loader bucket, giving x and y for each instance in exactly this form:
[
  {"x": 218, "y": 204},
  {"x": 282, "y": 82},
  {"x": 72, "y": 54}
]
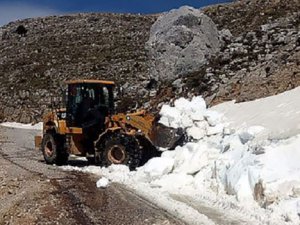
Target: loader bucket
[{"x": 166, "y": 137}]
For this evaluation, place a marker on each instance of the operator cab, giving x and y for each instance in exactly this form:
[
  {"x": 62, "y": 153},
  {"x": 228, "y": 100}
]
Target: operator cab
[{"x": 89, "y": 102}]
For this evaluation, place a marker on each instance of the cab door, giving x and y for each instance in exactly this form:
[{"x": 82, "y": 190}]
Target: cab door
[{"x": 74, "y": 99}]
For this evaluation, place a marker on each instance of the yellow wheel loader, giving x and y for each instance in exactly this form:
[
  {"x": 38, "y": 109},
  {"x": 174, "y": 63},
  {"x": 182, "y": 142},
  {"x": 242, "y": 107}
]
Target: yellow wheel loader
[{"x": 88, "y": 126}]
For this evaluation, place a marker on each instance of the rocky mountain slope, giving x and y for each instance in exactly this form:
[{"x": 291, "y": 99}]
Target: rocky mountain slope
[
  {"x": 259, "y": 54},
  {"x": 254, "y": 52},
  {"x": 262, "y": 57},
  {"x": 55, "y": 49}
]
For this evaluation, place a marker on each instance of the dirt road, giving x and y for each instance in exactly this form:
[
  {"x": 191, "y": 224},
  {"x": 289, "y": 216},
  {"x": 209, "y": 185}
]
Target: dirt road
[{"x": 32, "y": 192}]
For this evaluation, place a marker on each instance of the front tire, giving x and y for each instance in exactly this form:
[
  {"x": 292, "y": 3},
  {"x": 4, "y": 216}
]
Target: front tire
[
  {"x": 52, "y": 148},
  {"x": 121, "y": 149}
]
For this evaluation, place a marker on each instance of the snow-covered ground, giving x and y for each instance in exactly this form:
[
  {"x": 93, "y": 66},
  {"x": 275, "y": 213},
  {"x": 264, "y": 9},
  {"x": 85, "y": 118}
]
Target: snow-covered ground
[
  {"x": 240, "y": 166},
  {"x": 37, "y": 126},
  {"x": 279, "y": 114}
]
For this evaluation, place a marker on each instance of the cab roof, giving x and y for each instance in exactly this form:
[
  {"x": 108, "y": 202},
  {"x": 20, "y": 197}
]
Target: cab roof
[{"x": 106, "y": 82}]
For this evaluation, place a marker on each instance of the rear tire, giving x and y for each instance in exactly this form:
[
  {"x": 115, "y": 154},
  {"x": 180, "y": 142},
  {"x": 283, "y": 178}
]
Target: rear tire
[
  {"x": 121, "y": 149},
  {"x": 52, "y": 148}
]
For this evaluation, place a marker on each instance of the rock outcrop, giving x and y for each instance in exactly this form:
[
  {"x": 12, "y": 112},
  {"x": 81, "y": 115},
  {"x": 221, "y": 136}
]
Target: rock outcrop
[
  {"x": 260, "y": 58},
  {"x": 181, "y": 41}
]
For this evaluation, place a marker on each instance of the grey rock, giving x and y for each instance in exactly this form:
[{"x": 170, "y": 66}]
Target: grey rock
[
  {"x": 269, "y": 57},
  {"x": 239, "y": 39},
  {"x": 265, "y": 27},
  {"x": 210, "y": 75},
  {"x": 226, "y": 35},
  {"x": 181, "y": 41},
  {"x": 177, "y": 83}
]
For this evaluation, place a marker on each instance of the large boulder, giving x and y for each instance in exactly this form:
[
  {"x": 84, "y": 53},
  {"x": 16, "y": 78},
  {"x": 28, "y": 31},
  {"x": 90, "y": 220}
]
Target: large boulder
[{"x": 181, "y": 41}]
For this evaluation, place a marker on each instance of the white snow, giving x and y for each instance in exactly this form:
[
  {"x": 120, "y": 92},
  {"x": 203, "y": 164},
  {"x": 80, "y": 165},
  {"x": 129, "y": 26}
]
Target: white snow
[
  {"x": 239, "y": 158},
  {"x": 281, "y": 169},
  {"x": 183, "y": 113},
  {"x": 279, "y": 114},
  {"x": 38, "y": 126},
  {"x": 156, "y": 167},
  {"x": 102, "y": 182}
]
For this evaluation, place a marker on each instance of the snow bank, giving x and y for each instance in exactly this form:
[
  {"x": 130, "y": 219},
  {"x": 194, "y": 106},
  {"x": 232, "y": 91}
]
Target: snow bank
[
  {"x": 280, "y": 168},
  {"x": 278, "y": 114},
  {"x": 38, "y": 126},
  {"x": 223, "y": 167}
]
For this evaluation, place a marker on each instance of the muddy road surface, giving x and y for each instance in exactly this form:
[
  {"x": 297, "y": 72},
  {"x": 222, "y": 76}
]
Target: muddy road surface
[{"x": 32, "y": 192}]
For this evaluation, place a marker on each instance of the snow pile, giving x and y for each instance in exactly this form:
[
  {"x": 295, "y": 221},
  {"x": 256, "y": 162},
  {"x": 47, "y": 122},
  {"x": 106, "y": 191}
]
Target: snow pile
[
  {"x": 38, "y": 126},
  {"x": 192, "y": 115},
  {"x": 222, "y": 160},
  {"x": 223, "y": 168}
]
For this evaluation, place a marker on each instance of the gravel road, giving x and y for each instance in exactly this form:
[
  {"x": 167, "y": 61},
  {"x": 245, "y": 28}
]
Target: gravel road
[{"x": 32, "y": 192}]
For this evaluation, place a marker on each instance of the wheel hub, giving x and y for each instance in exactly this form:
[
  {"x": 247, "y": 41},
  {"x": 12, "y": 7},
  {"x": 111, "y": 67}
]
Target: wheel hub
[
  {"x": 117, "y": 154},
  {"x": 49, "y": 149}
]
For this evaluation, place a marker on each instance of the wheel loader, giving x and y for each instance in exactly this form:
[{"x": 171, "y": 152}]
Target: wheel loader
[{"x": 89, "y": 126}]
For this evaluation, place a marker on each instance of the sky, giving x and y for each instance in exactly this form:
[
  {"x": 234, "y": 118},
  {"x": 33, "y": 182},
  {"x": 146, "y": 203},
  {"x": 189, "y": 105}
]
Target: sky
[{"x": 11, "y": 10}]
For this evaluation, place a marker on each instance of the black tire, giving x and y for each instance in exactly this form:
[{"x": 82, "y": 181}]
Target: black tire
[
  {"x": 121, "y": 149},
  {"x": 52, "y": 148},
  {"x": 91, "y": 160}
]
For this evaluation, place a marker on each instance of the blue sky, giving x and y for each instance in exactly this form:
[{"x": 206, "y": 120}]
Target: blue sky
[{"x": 12, "y": 10}]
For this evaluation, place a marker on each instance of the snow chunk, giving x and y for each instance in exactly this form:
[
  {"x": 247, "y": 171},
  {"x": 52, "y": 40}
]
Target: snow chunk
[
  {"x": 242, "y": 176},
  {"x": 193, "y": 157},
  {"x": 218, "y": 129},
  {"x": 197, "y": 116},
  {"x": 277, "y": 169},
  {"x": 183, "y": 113},
  {"x": 213, "y": 118},
  {"x": 196, "y": 133},
  {"x": 233, "y": 143},
  {"x": 102, "y": 182},
  {"x": 183, "y": 105},
  {"x": 156, "y": 167},
  {"x": 197, "y": 104},
  {"x": 170, "y": 116},
  {"x": 281, "y": 167}
]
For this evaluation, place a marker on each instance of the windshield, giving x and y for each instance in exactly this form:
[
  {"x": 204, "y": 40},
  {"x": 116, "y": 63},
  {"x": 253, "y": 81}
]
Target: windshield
[{"x": 84, "y": 98}]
